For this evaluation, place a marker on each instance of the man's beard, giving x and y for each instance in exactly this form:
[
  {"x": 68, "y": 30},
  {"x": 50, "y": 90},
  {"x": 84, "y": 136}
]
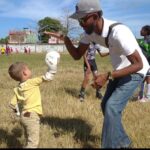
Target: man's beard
[{"x": 90, "y": 29}]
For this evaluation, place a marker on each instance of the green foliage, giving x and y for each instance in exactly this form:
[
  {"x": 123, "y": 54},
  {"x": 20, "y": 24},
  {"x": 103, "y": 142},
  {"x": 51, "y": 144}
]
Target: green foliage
[
  {"x": 4, "y": 40},
  {"x": 49, "y": 24}
]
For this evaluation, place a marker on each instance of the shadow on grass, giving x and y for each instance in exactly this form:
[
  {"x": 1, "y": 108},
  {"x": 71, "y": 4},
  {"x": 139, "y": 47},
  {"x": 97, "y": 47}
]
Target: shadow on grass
[
  {"x": 81, "y": 129},
  {"x": 73, "y": 92},
  {"x": 11, "y": 139}
]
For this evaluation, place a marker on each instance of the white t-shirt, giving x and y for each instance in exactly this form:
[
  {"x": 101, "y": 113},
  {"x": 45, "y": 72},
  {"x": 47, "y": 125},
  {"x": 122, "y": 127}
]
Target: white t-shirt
[{"x": 122, "y": 43}]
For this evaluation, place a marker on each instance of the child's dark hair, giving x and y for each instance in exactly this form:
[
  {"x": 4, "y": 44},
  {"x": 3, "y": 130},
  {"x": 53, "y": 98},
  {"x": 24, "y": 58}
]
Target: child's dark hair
[{"x": 15, "y": 70}]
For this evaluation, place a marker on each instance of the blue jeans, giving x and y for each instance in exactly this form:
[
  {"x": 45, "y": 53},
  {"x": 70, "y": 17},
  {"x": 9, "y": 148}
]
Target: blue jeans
[{"x": 116, "y": 97}]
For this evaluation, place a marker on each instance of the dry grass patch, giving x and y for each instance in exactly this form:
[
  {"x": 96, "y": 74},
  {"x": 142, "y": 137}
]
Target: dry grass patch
[{"x": 67, "y": 123}]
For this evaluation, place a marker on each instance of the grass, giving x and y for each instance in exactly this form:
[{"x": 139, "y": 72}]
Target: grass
[{"x": 67, "y": 123}]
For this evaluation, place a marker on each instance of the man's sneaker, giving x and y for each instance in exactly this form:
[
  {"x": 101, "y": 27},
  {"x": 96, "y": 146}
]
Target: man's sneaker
[
  {"x": 81, "y": 96},
  {"x": 99, "y": 95},
  {"x": 143, "y": 100}
]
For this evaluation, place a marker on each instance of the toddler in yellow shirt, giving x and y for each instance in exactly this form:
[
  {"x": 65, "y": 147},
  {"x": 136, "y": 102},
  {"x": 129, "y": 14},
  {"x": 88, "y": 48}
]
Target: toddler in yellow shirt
[{"x": 28, "y": 93}]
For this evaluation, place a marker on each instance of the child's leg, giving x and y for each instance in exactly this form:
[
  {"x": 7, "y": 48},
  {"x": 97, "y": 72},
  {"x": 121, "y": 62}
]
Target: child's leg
[
  {"x": 31, "y": 122},
  {"x": 98, "y": 91},
  {"x": 86, "y": 79},
  {"x": 87, "y": 72}
]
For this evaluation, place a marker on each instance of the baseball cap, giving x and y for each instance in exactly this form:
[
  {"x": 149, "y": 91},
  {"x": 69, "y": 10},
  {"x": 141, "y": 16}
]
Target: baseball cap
[{"x": 85, "y": 7}]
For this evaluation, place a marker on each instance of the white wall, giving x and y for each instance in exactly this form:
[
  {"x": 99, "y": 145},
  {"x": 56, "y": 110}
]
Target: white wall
[{"x": 38, "y": 47}]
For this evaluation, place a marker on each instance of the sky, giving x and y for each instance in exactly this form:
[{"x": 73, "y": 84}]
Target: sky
[{"x": 19, "y": 14}]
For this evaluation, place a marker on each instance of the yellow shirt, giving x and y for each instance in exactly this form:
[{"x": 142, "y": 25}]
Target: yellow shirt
[
  {"x": 29, "y": 94},
  {"x": 2, "y": 50}
]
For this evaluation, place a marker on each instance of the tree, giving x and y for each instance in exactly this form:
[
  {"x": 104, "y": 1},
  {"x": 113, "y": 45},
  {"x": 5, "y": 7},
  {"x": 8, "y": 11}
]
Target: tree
[
  {"x": 71, "y": 26},
  {"x": 4, "y": 40},
  {"x": 49, "y": 24}
]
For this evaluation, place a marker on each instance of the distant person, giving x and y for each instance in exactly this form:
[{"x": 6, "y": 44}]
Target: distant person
[
  {"x": 3, "y": 50},
  {"x": 16, "y": 50},
  {"x": 11, "y": 50},
  {"x": 25, "y": 50},
  {"x": 90, "y": 66},
  {"x": 7, "y": 50},
  {"x": 28, "y": 94},
  {"x": 29, "y": 50},
  {"x": 145, "y": 45}
]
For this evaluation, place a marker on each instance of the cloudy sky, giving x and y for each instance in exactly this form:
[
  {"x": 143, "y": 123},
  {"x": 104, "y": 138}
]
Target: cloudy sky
[{"x": 18, "y": 14}]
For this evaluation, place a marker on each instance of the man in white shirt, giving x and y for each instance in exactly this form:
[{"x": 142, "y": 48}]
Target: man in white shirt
[{"x": 129, "y": 64}]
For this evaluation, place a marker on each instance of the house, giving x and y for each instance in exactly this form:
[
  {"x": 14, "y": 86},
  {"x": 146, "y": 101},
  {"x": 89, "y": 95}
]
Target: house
[{"x": 25, "y": 36}]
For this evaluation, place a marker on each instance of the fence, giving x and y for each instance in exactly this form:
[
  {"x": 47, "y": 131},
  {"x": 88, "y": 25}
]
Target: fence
[{"x": 38, "y": 48}]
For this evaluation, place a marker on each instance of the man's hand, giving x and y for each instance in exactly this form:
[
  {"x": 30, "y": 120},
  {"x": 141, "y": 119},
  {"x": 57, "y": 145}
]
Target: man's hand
[
  {"x": 100, "y": 81},
  {"x": 57, "y": 35}
]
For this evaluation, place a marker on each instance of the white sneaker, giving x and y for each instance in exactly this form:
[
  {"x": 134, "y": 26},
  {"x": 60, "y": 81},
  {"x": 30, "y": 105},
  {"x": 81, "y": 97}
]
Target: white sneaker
[
  {"x": 138, "y": 98},
  {"x": 143, "y": 100}
]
